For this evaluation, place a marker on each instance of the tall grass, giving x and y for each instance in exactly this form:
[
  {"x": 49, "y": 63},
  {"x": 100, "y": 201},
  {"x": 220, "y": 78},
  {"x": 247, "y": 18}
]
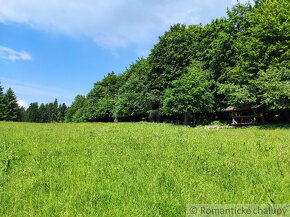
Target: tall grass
[{"x": 137, "y": 169}]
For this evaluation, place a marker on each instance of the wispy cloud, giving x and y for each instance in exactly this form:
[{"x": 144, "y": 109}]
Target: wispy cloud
[
  {"x": 110, "y": 23},
  {"x": 242, "y": 1},
  {"x": 13, "y": 55}
]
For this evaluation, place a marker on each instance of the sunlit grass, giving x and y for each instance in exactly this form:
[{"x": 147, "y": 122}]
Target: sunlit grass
[{"x": 137, "y": 169}]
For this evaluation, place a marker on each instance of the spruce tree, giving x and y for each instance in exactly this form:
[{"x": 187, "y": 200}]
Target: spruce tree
[
  {"x": 12, "y": 109},
  {"x": 32, "y": 113},
  {"x": 52, "y": 110},
  {"x": 55, "y": 110},
  {"x": 2, "y": 104},
  {"x": 43, "y": 113},
  {"x": 61, "y": 112}
]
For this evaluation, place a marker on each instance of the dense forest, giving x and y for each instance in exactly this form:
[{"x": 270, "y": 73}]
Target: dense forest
[
  {"x": 11, "y": 111},
  {"x": 194, "y": 72}
]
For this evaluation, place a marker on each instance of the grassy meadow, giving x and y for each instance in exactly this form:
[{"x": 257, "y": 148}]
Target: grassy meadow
[{"x": 138, "y": 169}]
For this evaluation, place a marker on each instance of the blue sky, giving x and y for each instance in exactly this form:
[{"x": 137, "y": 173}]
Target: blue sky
[{"x": 59, "y": 48}]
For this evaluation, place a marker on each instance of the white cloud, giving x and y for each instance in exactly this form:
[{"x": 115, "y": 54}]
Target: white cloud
[
  {"x": 110, "y": 23},
  {"x": 242, "y": 1},
  {"x": 22, "y": 103},
  {"x": 12, "y": 55}
]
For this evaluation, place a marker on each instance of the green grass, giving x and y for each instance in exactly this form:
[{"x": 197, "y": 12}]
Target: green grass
[{"x": 138, "y": 169}]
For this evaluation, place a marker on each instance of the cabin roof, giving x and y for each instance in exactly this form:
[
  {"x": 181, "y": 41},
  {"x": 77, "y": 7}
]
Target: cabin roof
[
  {"x": 231, "y": 108},
  {"x": 235, "y": 108}
]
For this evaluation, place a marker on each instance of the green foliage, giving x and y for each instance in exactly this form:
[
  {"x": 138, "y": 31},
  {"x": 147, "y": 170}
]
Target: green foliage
[
  {"x": 171, "y": 55},
  {"x": 227, "y": 54},
  {"x": 46, "y": 113},
  {"x": 265, "y": 42},
  {"x": 75, "y": 111},
  {"x": 32, "y": 113},
  {"x": 195, "y": 70},
  {"x": 61, "y": 112},
  {"x": 52, "y": 111},
  {"x": 132, "y": 99},
  {"x": 2, "y": 104},
  {"x": 269, "y": 23},
  {"x": 43, "y": 113},
  {"x": 237, "y": 95},
  {"x": 273, "y": 88},
  {"x": 22, "y": 114},
  {"x": 12, "y": 109},
  {"x": 9, "y": 109},
  {"x": 98, "y": 104},
  {"x": 101, "y": 99},
  {"x": 168, "y": 61},
  {"x": 191, "y": 93}
]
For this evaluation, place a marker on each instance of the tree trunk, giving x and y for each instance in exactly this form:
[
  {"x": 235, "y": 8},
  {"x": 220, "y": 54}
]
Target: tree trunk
[
  {"x": 193, "y": 118},
  {"x": 150, "y": 115},
  {"x": 158, "y": 111},
  {"x": 186, "y": 118},
  {"x": 158, "y": 116}
]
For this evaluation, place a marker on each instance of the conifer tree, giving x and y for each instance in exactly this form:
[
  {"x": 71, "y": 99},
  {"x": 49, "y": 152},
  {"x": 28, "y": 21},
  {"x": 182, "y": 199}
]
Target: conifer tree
[
  {"x": 2, "y": 104},
  {"x": 61, "y": 112},
  {"x": 43, "y": 114},
  {"x": 32, "y": 113},
  {"x": 12, "y": 109}
]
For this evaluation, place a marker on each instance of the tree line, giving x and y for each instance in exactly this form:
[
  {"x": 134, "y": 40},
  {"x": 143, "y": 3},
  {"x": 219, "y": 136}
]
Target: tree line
[
  {"x": 194, "y": 72},
  {"x": 45, "y": 113}
]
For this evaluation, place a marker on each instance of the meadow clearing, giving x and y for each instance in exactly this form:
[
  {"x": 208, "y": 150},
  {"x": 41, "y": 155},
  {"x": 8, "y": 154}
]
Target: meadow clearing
[{"x": 138, "y": 169}]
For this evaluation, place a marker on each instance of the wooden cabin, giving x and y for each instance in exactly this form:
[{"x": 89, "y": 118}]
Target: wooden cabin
[{"x": 244, "y": 116}]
